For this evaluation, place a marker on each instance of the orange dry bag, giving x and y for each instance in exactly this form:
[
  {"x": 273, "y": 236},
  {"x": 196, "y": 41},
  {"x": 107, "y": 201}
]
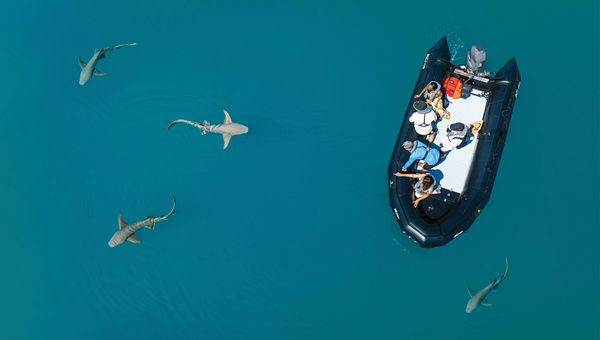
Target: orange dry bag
[{"x": 453, "y": 87}]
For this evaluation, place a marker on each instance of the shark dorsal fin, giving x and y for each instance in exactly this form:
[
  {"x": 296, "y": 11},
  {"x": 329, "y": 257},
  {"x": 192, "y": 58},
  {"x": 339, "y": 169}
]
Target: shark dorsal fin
[
  {"x": 133, "y": 239},
  {"x": 471, "y": 291},
  {"x": 226, "y": 138},
  {"x": 122, "y": 223},
  {"x": 81, "y": 63},
  {"x": 227, "y": 118}
]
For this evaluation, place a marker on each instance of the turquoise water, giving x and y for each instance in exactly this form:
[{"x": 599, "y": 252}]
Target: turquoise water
[{"x": 287, "y": 234}]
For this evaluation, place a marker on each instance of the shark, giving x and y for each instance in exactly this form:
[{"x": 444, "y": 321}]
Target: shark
[
  {"x": 227, "y": 129},
  {"x": 88, "y": 69},
  {"x": 126, "y": 231},
  {"x": 479, "y": 298}
]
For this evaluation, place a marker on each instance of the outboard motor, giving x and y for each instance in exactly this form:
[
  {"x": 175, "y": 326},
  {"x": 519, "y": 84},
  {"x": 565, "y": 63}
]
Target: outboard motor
[{"x": 475, "y": 58}]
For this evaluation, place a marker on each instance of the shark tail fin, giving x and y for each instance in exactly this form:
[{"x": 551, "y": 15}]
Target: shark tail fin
[
  {"x": 172, "y": 209},
  {"x": 506, "y": 272},
  {"x": 170, "y": 213}
]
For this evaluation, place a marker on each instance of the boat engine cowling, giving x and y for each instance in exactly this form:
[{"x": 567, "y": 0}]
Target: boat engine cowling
[{"x": 475, "y": 58}]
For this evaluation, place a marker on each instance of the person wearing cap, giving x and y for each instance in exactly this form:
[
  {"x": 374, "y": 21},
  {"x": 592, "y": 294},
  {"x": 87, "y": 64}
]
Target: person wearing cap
[
  {"x": 455, "y": 135},
  {"x": 423, "y": 119},
  {"x": 419, "y": 151}
]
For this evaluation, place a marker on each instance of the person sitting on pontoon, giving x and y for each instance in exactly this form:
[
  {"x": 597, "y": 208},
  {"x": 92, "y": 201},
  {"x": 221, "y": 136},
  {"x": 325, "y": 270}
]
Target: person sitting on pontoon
[
  {"x": 434, "y": 97},
  {"x": 423, "y": 119},
  {"x": 424, "y": 187},
  {"x": 430, "y": 155}
]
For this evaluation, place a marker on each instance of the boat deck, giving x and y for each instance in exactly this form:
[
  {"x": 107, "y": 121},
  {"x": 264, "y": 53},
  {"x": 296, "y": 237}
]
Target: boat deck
[{"x": 453, "y": 172}]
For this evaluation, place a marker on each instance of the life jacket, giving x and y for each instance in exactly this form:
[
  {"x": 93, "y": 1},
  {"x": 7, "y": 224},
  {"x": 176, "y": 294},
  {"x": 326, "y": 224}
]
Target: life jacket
[
  {"x": 424, "y": 123},
  {"x": 427, "y": 151},
  {"x": 431, "y": 96},
  {"x": 433, "y": 189},
  {"x": 453, "y": 87},
  {"x": 457, "y": 131}
]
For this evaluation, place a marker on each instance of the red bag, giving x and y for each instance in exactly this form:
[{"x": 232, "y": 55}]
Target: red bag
[{"x": 452, "y": 87}]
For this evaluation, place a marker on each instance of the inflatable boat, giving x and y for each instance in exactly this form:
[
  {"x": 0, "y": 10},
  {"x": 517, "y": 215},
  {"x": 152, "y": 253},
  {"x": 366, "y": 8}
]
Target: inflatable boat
[{"x": 464, "y": 176}]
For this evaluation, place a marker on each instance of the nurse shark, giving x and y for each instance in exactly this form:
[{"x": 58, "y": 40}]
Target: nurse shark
[
  {"x": 126, "y": 231},
  {"x": 88, "y": 69},
  {"x": 478, "y": 298},
  {"x": 227, "y": 129}
]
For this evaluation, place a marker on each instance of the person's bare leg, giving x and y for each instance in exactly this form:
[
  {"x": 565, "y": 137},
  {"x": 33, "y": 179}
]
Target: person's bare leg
[{"x": 431, "y": 137}]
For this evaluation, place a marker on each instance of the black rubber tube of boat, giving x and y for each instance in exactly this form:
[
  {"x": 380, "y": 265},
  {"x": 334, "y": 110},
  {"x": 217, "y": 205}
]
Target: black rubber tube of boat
[{"x": 462, "y": 208}]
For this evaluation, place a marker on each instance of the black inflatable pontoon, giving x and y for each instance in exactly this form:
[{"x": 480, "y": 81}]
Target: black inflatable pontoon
[{"x": 467, "y": 174}]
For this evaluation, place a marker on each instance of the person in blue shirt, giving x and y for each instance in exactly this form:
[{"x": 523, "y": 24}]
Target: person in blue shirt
[{"x": 420, "y": 151}]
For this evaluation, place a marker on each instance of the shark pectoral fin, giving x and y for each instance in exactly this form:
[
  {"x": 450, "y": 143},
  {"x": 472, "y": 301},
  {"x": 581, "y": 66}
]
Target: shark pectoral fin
[
  {"x": 471, "y": 291},
  {"x": 98, "y": 73},
  {"x": 226, "y": 138},
  {"x": 227, "y": 118},
  {"x": 122, "y": 223},
  {"x": 133, "y": 239},
  {"x": 81, "y": 63},
  {"x": 486, "y": 304}
]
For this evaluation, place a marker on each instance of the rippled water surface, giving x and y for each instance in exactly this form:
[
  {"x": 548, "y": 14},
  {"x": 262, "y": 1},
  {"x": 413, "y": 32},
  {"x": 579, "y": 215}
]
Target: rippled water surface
[{"x": 287, "y": 234}]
